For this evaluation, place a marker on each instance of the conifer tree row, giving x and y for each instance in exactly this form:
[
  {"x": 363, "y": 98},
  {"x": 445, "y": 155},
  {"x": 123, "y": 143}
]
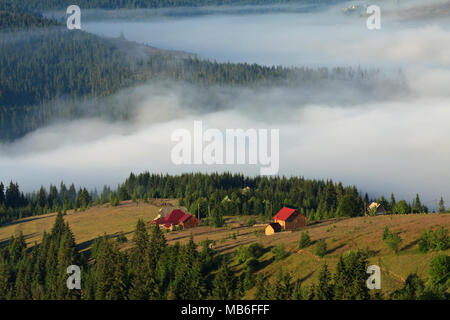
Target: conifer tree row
[{"x": 152, "y": 269}]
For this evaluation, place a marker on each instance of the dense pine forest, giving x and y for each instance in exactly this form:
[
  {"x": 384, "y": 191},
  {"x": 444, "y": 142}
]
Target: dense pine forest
[
  {"x": 12, "y": 21},
  {"x": 40, "y": 5},
  {"x": 15, "y": 205},
  {"x": 152, "y": 270},
  {"x": 209, "y": 196},
  {"x": 215, "y": 195},
  {"x": 47, "y": 72}
]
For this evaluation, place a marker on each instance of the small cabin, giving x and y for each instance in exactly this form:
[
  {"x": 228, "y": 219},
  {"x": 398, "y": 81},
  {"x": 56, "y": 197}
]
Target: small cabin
[
  {"x": 272, "y": 228},
  {"x": 380, "y": 210},
  {"x": 290, "y": 219}
]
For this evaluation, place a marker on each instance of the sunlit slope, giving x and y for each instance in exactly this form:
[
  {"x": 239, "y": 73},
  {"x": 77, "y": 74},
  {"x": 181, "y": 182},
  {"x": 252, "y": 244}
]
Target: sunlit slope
[
  {"x": 90, "y": 224},
  {"x": 354, "y": 233},
  {"x": 340, "y": 235}
]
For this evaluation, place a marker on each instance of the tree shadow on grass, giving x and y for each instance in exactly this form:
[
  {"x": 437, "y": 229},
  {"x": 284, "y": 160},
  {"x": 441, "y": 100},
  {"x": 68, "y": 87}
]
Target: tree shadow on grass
[
  {"x": 410, "y": 245},
  {"x": 335, "y": 248},
  {"x": 89, "y": 243},
  {"x": 264, "y": 263},
  {"x": 26, "y": 219},
  {"x": 302, "y": 279}
]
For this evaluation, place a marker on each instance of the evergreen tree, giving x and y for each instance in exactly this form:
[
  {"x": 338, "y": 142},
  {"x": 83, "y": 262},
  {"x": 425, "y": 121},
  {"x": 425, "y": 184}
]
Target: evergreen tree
[
  {"x": 441, "y": 207},
  {"x": 143, "y": 283},
  {"x": 110, "y": 272},
  {"x": 324, "y": 289},
  {"x": 305, "y": 240},
  {"x": 282, "y": 287},
  {"x": 224, "y": 283},
  {"x": 262, "y": 288},
  {"x": 350, "y": 277}
]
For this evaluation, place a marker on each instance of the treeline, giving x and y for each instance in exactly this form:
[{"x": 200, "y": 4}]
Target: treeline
[
  {"x": 208, "y": 196},
  {"x": 41, "y": 5},
  {"x": 152, "y": 270},
  {"x": 212, "y": 196},
  {"x": 13, "y": 21},
  {"x": 15, "y": 205}
]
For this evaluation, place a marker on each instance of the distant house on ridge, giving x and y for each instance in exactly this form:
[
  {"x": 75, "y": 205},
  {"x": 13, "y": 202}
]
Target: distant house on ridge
[
  {"x": 286, "y": 219},
  {"x": 177, "y": 218},
  {"x": 380, "y": 210}
]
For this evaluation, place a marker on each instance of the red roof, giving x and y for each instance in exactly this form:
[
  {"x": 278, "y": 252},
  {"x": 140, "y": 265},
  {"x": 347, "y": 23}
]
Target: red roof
[
  {"x": 284, "y": 214},
  {"x": 173, "y": 217},
  {"x": 185, "y": 217}
]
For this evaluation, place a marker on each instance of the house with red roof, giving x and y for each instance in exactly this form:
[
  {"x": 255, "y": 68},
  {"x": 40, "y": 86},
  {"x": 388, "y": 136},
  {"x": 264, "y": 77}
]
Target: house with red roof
[
  {"x": 189, "y": 221},
  {"x": 177, "y": 218},
  {"x": 288, "y": 219}
]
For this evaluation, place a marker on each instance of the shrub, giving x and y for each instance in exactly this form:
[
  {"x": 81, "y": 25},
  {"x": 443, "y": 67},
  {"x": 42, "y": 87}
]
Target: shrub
[
  {"x": 305, "y": 240},
  {"x": 442, "y": 240},
  {"x": 440, "y": 268},
  {"x": 426, "y": 241},
  {"x": 391, "y": 239},
  {"x": 251, "y": 222},
  {"x": 412, "y": 290},
  {"x": 438, "y": 240},
  {"x": 251, "y": 265},
  {"x": 386, "y": 233},
  {"x": 279, "y": 252},
  {"x": 255, "y": 250},
  {"x": 393, "y": 242},
  {"x": 321, "y": 248},
  {"x": 244, "y": 253}
]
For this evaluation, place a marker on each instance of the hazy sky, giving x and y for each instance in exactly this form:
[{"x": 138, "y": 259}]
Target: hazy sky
[{"x": 397, "y": 143}]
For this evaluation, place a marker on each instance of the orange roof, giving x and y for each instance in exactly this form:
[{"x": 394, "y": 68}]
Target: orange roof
[{"x": 284, "y": 214}]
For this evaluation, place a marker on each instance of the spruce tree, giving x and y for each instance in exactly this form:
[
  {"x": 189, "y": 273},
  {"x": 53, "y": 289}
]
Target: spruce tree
[
  {"x": 224, "y": 283},
  {"x": 442, "y": 205},
  {"x": 324, "y": 289},
  {"x": 143, "y": 283},
  {"x": 262, "y": 288}
]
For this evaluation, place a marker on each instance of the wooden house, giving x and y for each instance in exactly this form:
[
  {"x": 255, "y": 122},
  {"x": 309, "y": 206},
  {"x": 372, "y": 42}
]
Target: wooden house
[{"x": 290, "y": 219}]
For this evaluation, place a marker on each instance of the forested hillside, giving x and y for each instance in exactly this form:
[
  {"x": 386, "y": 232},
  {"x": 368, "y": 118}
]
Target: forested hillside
[
  {"x": 154, "y": 269},
  {"x": 216, "y": 195},
  {"x": 210, "y": 195},
  {"x": 40, "y": 5},
  {"x": 44, "y": 63},
  {"x": 11, "y": 21}
]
